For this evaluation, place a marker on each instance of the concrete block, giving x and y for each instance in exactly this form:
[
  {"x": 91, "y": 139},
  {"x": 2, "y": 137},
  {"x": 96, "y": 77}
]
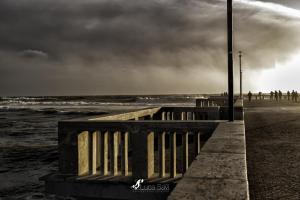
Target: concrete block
[
  {"x": 210, "y": 189},
  {"x": 218, "y": 165}
]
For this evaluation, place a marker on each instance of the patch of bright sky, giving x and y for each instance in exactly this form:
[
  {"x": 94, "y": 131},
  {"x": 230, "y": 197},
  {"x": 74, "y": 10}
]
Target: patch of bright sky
[
  {"x": 284, "y": 76},
  {"x": 287, "y": 11}
]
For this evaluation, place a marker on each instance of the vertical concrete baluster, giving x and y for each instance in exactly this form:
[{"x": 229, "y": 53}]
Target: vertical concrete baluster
[
  {"x": 184, "y": 116},
  {"x": 172, "y": 154},
  {"x": 124, "y": 145},
  {"x": 104, "y": 152},
  {"x": 113, "y": 153},
  {"x": 168, "y": 116},
  {"x": 161, "y": 149},
  {"x": 163, "y": 116},
  {"x": 196, "y": 143},
  {"x": 95, "y": 152},
  {"x": 84, "y": 152},
  {"x": 185, "y": 151}
]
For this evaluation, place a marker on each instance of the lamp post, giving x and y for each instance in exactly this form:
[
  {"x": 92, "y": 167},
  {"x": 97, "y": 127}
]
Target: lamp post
[
  {"x": 230, "y": 61},
  {"x": 241, "y": 77}
]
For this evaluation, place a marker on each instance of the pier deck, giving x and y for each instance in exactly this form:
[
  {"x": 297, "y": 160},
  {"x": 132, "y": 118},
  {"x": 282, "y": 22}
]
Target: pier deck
[{"x": 273, "y": 149}]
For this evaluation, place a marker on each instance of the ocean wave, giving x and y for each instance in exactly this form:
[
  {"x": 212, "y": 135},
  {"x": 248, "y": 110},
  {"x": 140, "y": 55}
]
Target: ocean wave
[
  {"x": 64, "y": 112},
  {"x": 51, "y": 111}
]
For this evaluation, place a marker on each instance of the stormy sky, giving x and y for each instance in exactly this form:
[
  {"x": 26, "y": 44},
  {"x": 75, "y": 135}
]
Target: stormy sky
[{"x": 80, "y": 47}]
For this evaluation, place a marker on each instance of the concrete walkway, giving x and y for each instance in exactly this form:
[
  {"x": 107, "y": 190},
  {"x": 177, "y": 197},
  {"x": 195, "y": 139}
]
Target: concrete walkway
[{"x": 273, "y": 149}]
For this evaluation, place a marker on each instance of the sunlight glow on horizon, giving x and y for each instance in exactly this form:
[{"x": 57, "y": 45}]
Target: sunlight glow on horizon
[{"x": 284, "y": 76}]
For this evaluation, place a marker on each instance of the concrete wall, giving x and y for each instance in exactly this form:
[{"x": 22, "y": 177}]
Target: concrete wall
[{"x": 220, "y": 170}]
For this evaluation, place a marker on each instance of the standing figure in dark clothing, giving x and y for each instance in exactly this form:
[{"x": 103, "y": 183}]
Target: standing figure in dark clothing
[
  {"x": 249, "y": 96},
  {"x": 260, "y": 94},
  {"x": 293, "y": 95},
  {"x": 296, "y": 96},
  {"x": 271, "y": 95},
  {"x": 288, "y": 95},
  {"x": 280, "y": 95},
  {"x": 276, "y": 95}
]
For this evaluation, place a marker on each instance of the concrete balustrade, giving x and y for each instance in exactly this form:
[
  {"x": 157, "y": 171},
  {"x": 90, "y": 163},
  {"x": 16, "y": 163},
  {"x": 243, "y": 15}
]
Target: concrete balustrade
[
  {"x": 129, "y": 146},
  {"x": 205, "y": 103},
  {"x": 97, "y": 147},
  {"x": 190, "y": 113},
  {"x": 92, "y": 146}
]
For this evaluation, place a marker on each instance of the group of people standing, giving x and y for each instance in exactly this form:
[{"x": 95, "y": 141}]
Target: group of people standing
[
  {"x": 293, "y": 96},
  {"x": 277, "y": 95}
]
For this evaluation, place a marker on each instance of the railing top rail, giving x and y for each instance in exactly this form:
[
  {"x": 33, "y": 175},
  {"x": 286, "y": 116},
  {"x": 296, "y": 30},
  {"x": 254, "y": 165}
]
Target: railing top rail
[
  {"x": 189, "y": 109},
  {"x": 126, "y": 115},
  {"x": 205, "y": 126},
  {"x": 129, "y": 115}
]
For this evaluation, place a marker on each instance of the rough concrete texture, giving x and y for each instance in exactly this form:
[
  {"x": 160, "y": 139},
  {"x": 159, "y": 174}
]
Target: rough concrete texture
[
  {"x": 220, "y": 171},
  {"x": 273, "y": 149}
]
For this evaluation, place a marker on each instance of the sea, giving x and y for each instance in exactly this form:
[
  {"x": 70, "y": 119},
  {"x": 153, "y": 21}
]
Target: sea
[{"x": 28, "y": 133}]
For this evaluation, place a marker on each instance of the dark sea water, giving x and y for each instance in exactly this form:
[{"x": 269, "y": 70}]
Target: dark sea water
[{"x": 28, "y": 133}]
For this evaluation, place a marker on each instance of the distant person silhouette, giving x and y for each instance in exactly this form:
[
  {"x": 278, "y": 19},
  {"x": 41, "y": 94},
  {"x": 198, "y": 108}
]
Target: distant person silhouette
[
  {"x": 271, "y": 95},
  {"x": 293, "y": 95},
  {"x": 288, "y": 95},
  {"x": 276, "y": 95},
  {"x": 296, "y": 96},
  {"x": 260, "y": 95},
  {"x": 280, "y": 95},
  {"x": 249, "y": 96}
]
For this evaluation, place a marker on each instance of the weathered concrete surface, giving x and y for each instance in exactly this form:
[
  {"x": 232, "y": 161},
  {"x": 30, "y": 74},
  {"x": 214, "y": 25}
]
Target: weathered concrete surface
[
  {"x": 273, "y": 149},
  {"x": 129, "y": 115},
  {"x": 220, "y": 171}
]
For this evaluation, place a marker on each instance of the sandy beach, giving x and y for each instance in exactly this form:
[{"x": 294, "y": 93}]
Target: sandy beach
[{"x": 273, "y": 149}]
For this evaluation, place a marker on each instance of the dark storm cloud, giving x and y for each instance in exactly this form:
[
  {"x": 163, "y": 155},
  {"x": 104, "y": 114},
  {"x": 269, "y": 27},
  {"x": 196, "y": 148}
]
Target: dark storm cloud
[{"x": 91, "y": 46}]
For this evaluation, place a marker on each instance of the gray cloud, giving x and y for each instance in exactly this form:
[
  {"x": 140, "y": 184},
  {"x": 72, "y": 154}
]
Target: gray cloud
[
  {"x": 118, "y": 46},
  {"x": 29, "y": 53}
]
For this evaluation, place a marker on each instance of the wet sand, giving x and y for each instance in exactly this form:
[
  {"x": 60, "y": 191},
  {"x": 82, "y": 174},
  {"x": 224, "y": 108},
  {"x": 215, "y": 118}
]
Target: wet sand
[{"x": 273, "y": 149}]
